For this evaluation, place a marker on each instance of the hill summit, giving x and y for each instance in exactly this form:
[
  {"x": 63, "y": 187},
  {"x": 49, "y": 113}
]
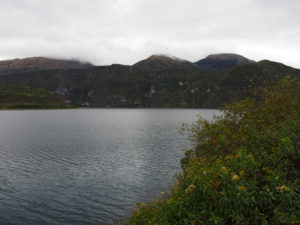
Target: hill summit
[
  {"x": 39, "y": 63},
  {"x": 222, "y": 61},
  {"x": 159, "y": 62}
]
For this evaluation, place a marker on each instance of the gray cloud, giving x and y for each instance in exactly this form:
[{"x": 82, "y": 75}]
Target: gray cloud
[{"x": 125, "y": 31}]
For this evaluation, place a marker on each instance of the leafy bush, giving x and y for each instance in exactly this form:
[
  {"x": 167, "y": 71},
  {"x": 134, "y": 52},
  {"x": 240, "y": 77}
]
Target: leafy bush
[{"x": 243, "y": 169}]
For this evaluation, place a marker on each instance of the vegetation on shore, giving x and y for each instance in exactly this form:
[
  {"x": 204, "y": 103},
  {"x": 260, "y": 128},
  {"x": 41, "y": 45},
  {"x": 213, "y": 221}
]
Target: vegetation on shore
[
  {"x": 244, "y": 167},
  {"x": 22, "y": 97}
]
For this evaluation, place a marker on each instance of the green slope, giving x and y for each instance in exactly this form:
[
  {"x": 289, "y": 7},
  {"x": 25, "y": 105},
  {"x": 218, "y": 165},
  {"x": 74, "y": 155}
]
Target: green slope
[
  {"x": 233, "y": 84},
  {"x": 22, "y": 97}
]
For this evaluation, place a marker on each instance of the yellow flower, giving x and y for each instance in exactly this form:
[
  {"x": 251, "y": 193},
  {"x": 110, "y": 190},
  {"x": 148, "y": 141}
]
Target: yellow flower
[
  {"x": 242, "y": 188},
  {"x": 250, "y": 156},
  {"x": 189, "y": 189},
  {"x": 224, "y": 170},
  {"x": 235, "y": 177},
  {"x": 222, "y": 192},
  {"x": 283, "y": 188},
  {"x": 162, "y": 193},
  {"x": 238, "y": 155},
  {"x": 242, "y": 172},
  {"x": 228, "y": 157},
  {"x": 138, "y": 212}
]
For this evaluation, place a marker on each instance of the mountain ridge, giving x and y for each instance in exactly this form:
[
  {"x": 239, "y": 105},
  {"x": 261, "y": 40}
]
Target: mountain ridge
[
  {"x": 222, "y": 61},
  {"x": 161, "y": 61},
  {"x": 162, "y": 86},
  {"x": 39, "y": 63}
]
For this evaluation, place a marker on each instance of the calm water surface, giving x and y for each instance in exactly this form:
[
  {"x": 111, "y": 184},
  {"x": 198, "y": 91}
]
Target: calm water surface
[{"x": 87, "y": 166}]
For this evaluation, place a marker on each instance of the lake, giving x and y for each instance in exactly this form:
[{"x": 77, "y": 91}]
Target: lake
[{"x": 87, "y": 166}]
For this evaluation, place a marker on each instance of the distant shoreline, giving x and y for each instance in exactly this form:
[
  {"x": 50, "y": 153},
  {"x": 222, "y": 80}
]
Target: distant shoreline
[
  {"x": 39, "y": 108},
  {"x": 106, "y": 108}
]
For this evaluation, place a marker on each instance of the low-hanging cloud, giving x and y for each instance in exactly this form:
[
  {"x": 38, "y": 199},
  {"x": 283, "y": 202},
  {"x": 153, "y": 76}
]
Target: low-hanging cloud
[{"x": 125, "y": 31}]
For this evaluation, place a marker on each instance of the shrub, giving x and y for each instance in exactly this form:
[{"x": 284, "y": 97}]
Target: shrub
[{"x": 243, "y": 168}]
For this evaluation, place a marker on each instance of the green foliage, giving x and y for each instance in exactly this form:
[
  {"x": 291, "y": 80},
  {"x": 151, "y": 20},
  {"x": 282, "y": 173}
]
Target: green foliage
[
  {"x": 244, "y": 167},
  {"x": 22, "y": 97}
]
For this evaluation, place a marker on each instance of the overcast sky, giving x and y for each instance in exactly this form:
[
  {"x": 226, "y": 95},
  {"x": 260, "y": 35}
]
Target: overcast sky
[{"x": 126, "y": 31}]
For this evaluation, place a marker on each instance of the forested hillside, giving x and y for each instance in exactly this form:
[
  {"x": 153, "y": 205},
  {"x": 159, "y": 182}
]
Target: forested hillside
[
  {"x": 158, "y": 81},
  {"x": 20, "y": 97}
]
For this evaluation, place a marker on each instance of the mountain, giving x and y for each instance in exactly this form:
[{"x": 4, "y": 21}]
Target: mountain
[
  {"x": 39, "y": 63},
  {"x": 235, "y": 83},
  {"x": 168, "y": 84},
  {"x": 161, "y": 62},
  {"x": 222, "y": 61},
  {"x": 19, "y": 97}
]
